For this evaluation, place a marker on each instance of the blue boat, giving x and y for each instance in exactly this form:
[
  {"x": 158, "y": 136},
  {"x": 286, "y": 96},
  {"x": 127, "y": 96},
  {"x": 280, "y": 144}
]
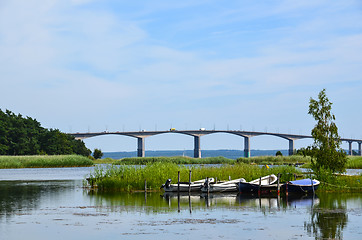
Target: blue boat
[{"x": 301, "y": 186}]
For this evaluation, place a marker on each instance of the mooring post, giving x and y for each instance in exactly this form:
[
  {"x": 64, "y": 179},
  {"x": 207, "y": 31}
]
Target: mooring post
[
  {"x": 311, "y": 180},
  {"x": 295, "y": 176},
  {"x": 259, "y": 186},
  {"x": 178, "y": 182},
  {"x": 178, "y": 203},
  {"x": 278, "y": 185},
  {"x": 229, "y": 178},
  {"x": 207, "y": 185},
  {"x": 145, "y": 185},
  {"x": 189, "y": 181},
  {"x": 259, "y": 201},
  {"x": 190, "y": 206}
]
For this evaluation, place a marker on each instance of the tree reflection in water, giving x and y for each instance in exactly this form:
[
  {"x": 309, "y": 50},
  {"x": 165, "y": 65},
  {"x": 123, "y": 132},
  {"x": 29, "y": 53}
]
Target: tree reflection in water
[{"x": 329, "y": 218}]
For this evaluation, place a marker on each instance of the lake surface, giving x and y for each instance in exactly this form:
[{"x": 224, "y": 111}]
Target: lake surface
[
  {"x": 51, "y": 204},
  {"x": 231, "y": 154}
]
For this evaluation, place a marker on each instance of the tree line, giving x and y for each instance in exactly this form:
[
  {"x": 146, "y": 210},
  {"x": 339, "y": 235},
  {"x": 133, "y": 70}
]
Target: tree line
[{"x": 25, "y": 136}]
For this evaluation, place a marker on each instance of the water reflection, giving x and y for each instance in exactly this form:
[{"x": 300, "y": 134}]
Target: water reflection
[
  {"x": 328, "y": 218},
  {"x": 22, "y": 196},
  {"x": 60, "y": 204},
  {"x": 240, "y": 200},
  {"x": 168, "y": 201}
]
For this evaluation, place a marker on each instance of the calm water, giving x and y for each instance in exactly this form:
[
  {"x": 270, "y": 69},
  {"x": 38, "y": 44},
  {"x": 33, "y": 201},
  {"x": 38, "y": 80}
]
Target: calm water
[
  {"x": 231, "y": 154},
  {"x": 53, "y": 205}
]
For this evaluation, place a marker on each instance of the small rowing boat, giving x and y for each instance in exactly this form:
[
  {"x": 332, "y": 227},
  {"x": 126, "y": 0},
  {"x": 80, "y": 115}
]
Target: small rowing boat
[
  {"x": 228, "y": 186},
  {"x": 306, "y": 185},
  {"x": 264, "y": 184},
  {"x": 184, "y": 186}
]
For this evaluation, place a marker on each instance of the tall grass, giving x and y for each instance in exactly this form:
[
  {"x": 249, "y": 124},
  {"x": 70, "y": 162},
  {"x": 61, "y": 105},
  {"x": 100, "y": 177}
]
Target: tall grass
[
  {"x": 275, "y": 160},
  {"x": 354, "y": 162},
  {"x": 129, "y": 178},
  {"x": 44, "y": 161},
  {"x": 342, "y": 183},
  {"x": 176, "y": 160}
]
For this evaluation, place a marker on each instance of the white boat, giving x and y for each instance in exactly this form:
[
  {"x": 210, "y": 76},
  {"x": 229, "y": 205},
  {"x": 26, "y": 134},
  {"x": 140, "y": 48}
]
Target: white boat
[
  {"x": 267, "y": 180},
  {"x": 228, "y": 186},
  {"x": 185, "y": 186},
  {"x": 263, "y": 184}
]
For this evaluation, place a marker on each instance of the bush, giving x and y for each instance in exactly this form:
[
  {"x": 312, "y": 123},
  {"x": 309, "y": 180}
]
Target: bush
[
  {"x": 97, "y": 153},
  {"x": 279, "y": 153}
]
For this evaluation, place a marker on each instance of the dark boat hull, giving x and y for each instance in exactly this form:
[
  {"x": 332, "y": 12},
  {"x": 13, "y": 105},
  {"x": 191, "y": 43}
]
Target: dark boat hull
[{"x": 245, "y": 187}]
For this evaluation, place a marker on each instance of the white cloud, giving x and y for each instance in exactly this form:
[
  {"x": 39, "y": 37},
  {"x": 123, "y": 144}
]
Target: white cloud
[{"x": 164, "y": 60}]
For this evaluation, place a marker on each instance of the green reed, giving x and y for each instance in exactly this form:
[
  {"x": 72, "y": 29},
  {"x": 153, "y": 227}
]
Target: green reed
[
  {"x": 130, "y": 178},
  {"x": 354, "y": 162},
  {"x": 275, "y": 160},
  {"x": 44, "y": 161},
  {"x": 176, "y": 160},
  {"x": 342, "y": 183}
]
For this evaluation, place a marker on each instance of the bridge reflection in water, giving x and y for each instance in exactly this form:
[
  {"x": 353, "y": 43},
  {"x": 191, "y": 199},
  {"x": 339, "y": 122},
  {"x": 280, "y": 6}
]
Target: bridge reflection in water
[{"x": 197, "y": 134}]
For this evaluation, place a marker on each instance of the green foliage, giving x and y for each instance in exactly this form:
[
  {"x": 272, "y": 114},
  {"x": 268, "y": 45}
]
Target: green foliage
[
  {"x": 304, "y": 151},
  {"x": 326, "y": 152},
  {"x": 43, "y": 161},
  {"x": 25, "y": 136},
  {"x": 97, "y": 153},
  {"x": 279, "y": 153}
]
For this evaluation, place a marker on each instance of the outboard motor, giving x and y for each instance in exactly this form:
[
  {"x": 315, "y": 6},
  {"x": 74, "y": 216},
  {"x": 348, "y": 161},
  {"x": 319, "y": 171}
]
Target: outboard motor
[
  {"x": 167, "y": 183},
  {"x": 207, "y": 183}
]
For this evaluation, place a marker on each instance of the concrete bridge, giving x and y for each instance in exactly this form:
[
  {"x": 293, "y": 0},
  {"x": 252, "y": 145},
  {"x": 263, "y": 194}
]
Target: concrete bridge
[{"x": 197, "y": 134}]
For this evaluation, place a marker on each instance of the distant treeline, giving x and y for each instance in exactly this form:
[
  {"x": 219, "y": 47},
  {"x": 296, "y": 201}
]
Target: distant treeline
[{"x": 25, "y": 136}]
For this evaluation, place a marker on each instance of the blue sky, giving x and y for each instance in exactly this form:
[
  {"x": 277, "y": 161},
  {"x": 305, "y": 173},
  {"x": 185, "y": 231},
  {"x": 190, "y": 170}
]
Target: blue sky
[{"x": 83, "y": 65}]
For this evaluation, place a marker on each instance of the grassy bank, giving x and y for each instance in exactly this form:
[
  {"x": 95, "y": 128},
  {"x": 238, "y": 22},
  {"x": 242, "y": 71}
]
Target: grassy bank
[
  {"x": 275, "y": 160},
  {"x": 354, "y": 162},
  {"x": 130, "y": 178},
  {"x": 44, "y": 161},
  {"x": 262, "y": 160},
  {"x": 105, "y": 161},
  {"x": 342, "y": 183},
  {"x": 176, "y": 160}
]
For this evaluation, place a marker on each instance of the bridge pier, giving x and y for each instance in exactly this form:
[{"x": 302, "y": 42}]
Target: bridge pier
[
  {"x": 359, "y": 148},
  {"x": 141, "y": 147},
  {"x": 350, "y": 148},
  {"x": 197, "y": 147},
  {"x": 291, "y": 147},
  {"x": 246, "y": 147}
]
